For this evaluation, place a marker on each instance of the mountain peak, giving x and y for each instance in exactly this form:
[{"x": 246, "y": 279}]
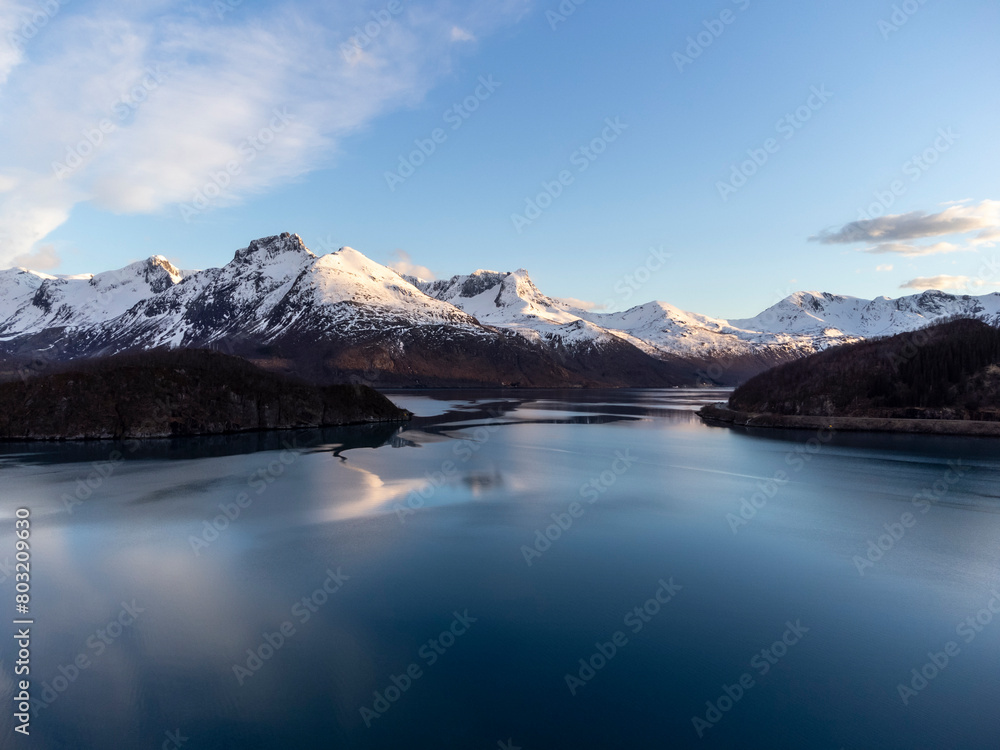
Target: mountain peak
[
  {"x": 272, "y": 247},
  {"x": 349, "y": 253},
  {"x": 159, "y": 263}
]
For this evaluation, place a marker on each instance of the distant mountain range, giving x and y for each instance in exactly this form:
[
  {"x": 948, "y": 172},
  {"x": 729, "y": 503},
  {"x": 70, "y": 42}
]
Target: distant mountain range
[{"x": 342, "y": 317}]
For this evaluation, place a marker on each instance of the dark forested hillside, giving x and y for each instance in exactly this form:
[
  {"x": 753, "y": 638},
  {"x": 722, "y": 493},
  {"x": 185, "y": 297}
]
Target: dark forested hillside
[
  {"x": 177, "y": 392},
  {"x": 946, "y": 371}
]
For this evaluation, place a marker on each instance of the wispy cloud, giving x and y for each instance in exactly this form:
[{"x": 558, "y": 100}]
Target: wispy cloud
[
  {"x": 45, "y": 258},
  {"x": 77, "y": 94},
  {"x": 13, "y": 16},
  {"x": 944, "y": 282},
  {"x": 956, "y": 219},
  {"x": 884, "y": 267},
  {"x": 903, "y": 248},
  {"x": 402, "y": 264}
]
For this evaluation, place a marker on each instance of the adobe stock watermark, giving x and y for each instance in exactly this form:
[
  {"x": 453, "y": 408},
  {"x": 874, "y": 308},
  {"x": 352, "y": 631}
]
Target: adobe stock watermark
[
  {"x": 762, "y": 662},
  {"x": 249, "y": 149},
  {"x": 95, "y": 137},
  {"x": 590, "y": 491},
  {"x": 463, "y": 451},
  {"x": 627, "y": 286},
  {"x": 901, "y": 14},
  {"x": 895, "y": 530},
  {"x": 455, "y": 116},
  {"x": 581, "y": 159},
  {"x": 989, "y": 270},
  {"x": 301, "y": 612},
  {"x": 428, "y": 654},
  {"x": 714, "y": 28},
  {"x": 937, "y": 661},
  {"x": 222, "y": 7},
  {"x": 100, "y": 472},
  {"x": 716, "y": 371},
  {"x": 34, "y": 23},
  {"x": 797, "y": 459},
  {"x": 174, "y": 740},
  {"x": 915, "y": 168},
  {"x": 788, "y": 126},
  {"x": 635, "y": 620},
  {"x": 915, "y": 340},
  {"x": 97, "y": 644},
  {"x": 354, "y": 48},
  {"x": 6, "y": 569},
  {"x": 562, "y": 12},
  {"x": 258, "y": 481}
]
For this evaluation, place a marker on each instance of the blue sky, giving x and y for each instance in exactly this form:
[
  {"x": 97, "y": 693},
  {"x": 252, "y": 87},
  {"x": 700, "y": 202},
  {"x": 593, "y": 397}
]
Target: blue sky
[{"x": 820, "y": 108}]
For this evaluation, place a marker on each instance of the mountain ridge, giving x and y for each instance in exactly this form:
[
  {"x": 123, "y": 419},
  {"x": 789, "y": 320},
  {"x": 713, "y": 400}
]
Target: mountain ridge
[{"x": 342, "y": 315}]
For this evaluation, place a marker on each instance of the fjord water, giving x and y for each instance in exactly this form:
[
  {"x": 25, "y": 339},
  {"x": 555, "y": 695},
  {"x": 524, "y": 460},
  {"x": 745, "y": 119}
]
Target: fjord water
[{"x": 786, "y": 621}]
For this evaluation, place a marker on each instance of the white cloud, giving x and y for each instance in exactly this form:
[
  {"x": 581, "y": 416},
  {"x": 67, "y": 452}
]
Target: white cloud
[
  {"x": 986, "y": 238},
  {"x": 402, "y": 264},
  {"x": 45, "y": 258},
  {"x": 957, "y": 219},
  {"x": 13, "y": 16},
  {"x": 220, "y": 82},
  {"x": 461, "y": 35},
  {"x": 884, "y": 267},
  {"x": 941, "y": 282}
]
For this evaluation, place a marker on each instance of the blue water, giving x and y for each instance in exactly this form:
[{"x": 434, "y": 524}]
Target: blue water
[{"x": 371, "y": 588}]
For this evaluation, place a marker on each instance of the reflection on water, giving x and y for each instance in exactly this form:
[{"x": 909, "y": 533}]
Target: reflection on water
[
  {"x": 553, "y": 519},
  {"x": 210, "y": 446}
]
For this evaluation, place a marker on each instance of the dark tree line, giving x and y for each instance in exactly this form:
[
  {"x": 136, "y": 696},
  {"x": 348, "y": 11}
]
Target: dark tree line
[
  {"x": 946, "y": 370},
  {"x": 176, "y": 392}
]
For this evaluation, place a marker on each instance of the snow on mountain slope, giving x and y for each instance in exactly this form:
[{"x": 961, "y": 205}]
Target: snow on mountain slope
[
  {"x": 803, "y": 322},
  {"x": 512, "y": 301},
  {"x": 665, "y": 328},
  {"x": 204, "y": 305},
  {"x": 273, "y": 286},
  {"x": 277, "y": 290},
  {"x": 34, "y": 301},
  {"x": 818, "y": 314},
  {"x": 347, "y": 276},
  {"x": 17, "y": 287}
]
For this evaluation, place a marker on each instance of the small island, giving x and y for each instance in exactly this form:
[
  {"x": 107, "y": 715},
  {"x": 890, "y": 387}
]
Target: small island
[
  {"x": 174, "y": 393},
  {"x": 943, "y": 379}
]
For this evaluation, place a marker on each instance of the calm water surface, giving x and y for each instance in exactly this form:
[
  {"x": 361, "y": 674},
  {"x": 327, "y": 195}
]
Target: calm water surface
[{"x": 579, "y": 569}]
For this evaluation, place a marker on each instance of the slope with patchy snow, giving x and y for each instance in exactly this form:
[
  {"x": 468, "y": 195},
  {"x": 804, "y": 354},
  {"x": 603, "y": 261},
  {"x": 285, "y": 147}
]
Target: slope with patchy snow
[{"x": 277, "y": 292}]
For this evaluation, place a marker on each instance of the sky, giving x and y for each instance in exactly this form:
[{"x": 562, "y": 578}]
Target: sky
[{"x": 717, "y": 156}]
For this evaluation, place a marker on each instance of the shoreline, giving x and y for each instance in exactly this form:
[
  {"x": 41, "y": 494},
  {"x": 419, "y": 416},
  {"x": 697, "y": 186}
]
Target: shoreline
[
  {"x": 721, "y": 413},
  {"x": 6, "y": 439}
]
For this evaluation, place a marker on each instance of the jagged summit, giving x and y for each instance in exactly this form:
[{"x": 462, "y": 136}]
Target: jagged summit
[
  {"x": 274, "y": 247},
  {"x": 343, "y": 312}
]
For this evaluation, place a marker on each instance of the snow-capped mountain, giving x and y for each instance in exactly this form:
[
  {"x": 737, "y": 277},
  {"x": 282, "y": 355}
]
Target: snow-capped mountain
[
  {"x": 799, "y": 324},
  {"x": 834, "y": 316},
  {"x": 33, "y": 301},
  {"x": 343, "y": 316}
]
